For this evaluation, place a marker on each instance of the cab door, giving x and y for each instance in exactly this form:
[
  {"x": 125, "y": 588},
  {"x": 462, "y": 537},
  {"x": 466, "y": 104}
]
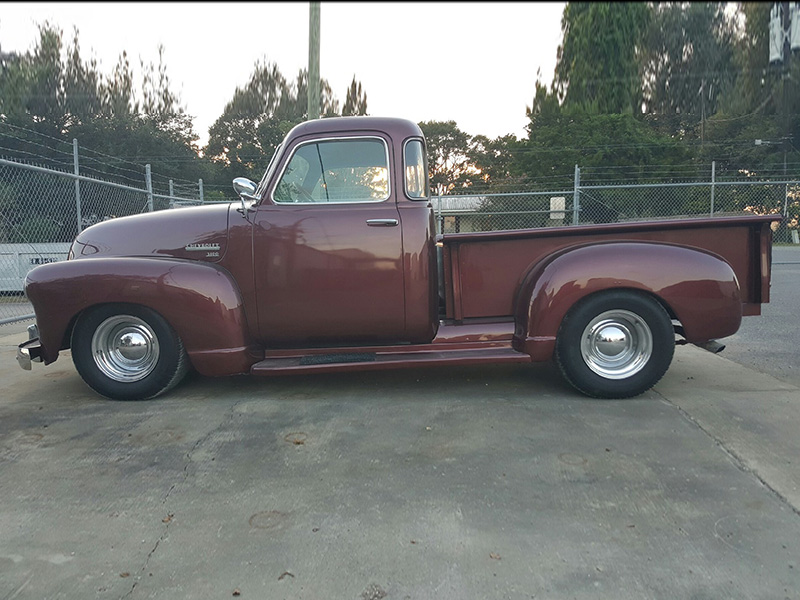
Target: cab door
[{"x": 328, "y": 248}]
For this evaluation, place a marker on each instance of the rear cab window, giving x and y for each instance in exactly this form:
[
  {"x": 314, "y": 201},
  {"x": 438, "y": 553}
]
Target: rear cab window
[{"x": 415, "y": 168}]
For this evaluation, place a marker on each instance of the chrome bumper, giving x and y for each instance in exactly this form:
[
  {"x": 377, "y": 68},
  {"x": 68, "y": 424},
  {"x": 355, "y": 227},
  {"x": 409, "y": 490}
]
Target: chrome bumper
[{"x": 30, "y": 351}]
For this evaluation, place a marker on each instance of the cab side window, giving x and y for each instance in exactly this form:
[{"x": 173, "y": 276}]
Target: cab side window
[
  {"x": 416, "y": 170},
  {"x": 336, "y": 171}
]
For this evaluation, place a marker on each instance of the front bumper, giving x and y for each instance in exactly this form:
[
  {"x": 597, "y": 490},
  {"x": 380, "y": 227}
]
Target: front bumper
[{"x": 30, "y": 351}]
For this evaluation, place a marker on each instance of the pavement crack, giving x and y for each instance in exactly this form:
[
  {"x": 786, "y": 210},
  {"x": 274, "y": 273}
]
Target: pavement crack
[
  {"x": 147, "y": 561},
  {"x": 735, "y": 458},
  {"x": 226, "y": 419}
]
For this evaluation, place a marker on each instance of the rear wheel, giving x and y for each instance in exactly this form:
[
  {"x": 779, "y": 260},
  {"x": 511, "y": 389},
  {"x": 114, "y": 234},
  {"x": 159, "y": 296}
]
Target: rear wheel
[
  {"x": 127, "y": 352},
  {"x": 615, "y": 344}
]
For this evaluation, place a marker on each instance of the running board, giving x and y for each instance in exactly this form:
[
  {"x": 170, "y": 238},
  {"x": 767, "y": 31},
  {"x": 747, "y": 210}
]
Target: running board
[{"x": 326, "y": 363}]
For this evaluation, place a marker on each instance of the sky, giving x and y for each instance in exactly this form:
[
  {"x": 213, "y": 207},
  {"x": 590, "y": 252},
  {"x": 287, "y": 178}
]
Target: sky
[{"x": 472, "y": 63}]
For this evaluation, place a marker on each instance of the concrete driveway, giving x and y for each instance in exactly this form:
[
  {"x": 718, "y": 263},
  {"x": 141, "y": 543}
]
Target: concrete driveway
[
  {"x": 495, "y": 482},
  {"x": 769, "y": 343}
]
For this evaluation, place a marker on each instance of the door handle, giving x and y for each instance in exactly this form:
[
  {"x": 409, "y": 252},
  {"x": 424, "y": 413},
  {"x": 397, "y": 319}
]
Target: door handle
[{"x": 383, "y": 222}]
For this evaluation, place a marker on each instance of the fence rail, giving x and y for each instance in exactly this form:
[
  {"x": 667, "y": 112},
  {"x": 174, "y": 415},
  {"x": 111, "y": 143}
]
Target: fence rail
[{"x": 43, "y": 209}]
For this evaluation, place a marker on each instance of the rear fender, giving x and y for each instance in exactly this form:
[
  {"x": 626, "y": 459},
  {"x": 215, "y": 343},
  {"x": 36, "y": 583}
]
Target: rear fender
[
  {"x": 200, "y": 301},
  {"x": 696, "y": 287}
]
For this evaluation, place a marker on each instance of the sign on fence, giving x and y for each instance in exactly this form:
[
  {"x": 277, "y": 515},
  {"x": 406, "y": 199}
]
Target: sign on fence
[
  {"x": 17, "y": 259},
  {"x": 558, "y": 206}
]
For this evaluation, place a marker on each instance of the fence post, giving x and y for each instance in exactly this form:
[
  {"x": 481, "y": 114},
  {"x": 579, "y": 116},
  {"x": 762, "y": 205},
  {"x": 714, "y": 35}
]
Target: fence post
[
  {"x": 713, "y": 181},
  {"x": 576, "y": 197},
  {"x": 171, "y": 194},
  {"x": 77, "y": 184},
  {"x": 785, "y": 200},
  {"x": 439, "y": 217},
  {"x": 200, "y": 186},
  {"x": 149, "y": 179}
]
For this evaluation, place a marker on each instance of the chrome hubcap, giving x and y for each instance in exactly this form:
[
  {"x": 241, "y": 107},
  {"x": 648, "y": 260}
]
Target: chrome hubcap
[
  {"x": 125, "y": 348},
  {"x": 616, "y": 344}
]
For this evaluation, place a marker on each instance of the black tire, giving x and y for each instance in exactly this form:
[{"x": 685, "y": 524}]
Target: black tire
[
  {"x": 615, "y": 344},
  {"x": 127, "y": 352}
]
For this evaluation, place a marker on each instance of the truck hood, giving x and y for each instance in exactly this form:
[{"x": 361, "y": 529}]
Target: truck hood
[{"x": 197, "y": 233}]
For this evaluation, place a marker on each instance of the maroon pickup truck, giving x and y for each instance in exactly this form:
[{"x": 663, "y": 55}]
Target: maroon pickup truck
[{"x": 331, "y": 263}]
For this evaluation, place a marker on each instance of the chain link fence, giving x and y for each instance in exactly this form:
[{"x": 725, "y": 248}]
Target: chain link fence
[
  {"x": 42, "y": 210},
  {"x": 585, "y": 203}
]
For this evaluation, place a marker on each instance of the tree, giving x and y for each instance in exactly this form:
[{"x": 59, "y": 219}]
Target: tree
[
  {"x": 449, "y": 164},
  {"x": 597, "y": 64},
  {"x": 592, "y": 113},
  {"x": 757, "y": 80},
  {"x": 254, "y": 121},
  {"x": 687, "y": 63},
  {"x": 82, "y": 85},
  {"x": 43, "y": 92},
  {"x": 242, "y": 140},
  {"x": 356, "y": 101},
  {"x": 48, "y": 97},
  {"x": 627, "y": 147},
  {"x": 495, "y": 163},
  {"x": 150, "y": 126},
  {"x": 31, "y": 85},
  {"x": 117, "y": 91}
]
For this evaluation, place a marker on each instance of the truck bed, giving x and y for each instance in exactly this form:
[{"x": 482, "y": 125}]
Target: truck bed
[{"x": 483, "y": 271}]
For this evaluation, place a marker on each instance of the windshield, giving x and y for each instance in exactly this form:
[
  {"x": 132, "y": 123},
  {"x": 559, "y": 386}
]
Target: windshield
[{"x": 265, "y": 178}]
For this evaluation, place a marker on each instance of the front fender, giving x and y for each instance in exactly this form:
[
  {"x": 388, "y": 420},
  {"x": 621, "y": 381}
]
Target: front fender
[
  {"x": 200, "y": 301},
  {"x": 698, "y": 288}
]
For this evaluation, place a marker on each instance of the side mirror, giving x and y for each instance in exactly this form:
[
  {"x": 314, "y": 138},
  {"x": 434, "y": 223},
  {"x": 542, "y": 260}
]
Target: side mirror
[{"x": 246, "y": 190}]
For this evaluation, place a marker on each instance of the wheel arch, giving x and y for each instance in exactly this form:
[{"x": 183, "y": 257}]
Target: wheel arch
[
  {"x": 695, "y": 287},
  {"x": 184, "y": 293}
]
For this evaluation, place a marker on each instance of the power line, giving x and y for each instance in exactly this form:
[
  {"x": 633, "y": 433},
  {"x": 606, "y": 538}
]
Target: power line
[{"x": 39, "y": 133}]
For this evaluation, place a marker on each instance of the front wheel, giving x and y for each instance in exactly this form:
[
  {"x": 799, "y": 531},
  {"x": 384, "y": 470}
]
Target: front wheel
[
  {"x": 127, "y": 352},
  {"x": 615, "y": 344}
]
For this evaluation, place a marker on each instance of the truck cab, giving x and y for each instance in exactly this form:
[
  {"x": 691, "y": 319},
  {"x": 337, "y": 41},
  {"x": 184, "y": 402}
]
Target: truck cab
[{"x": 342, "y": 242}]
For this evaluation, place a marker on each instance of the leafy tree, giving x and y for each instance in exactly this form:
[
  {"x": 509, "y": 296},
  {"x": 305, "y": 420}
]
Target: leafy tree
[
  {"x": 356, "y": 101},
  {"x": 597, "y": 64},
  {"x": 254, "y": 121},
  {"x": 687, "y": 64},
  {"x": 449, "y": 163},
  {"x": 242, "y": 140},
  {"x": 117, "y": 92},
  {"x": 31, "y": 85},
  {"x": 494, "y": 160},
  {"x": 48, "y": 97},
  {"x": 628, "y": 148},
  {"x": 43, "y": 93},
  {"x": 82, "y": 86},
  {"x": 757, "y": 81},
  {"x": 589, "y": 139}
]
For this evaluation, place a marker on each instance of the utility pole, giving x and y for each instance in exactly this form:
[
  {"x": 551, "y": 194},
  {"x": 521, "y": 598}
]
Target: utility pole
[
  {"x": 787, "y": 53},
  {"x": 784, "y": 37},
  {"x": 313, "y": 62},
  {"x": 703, "y": 112}
]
